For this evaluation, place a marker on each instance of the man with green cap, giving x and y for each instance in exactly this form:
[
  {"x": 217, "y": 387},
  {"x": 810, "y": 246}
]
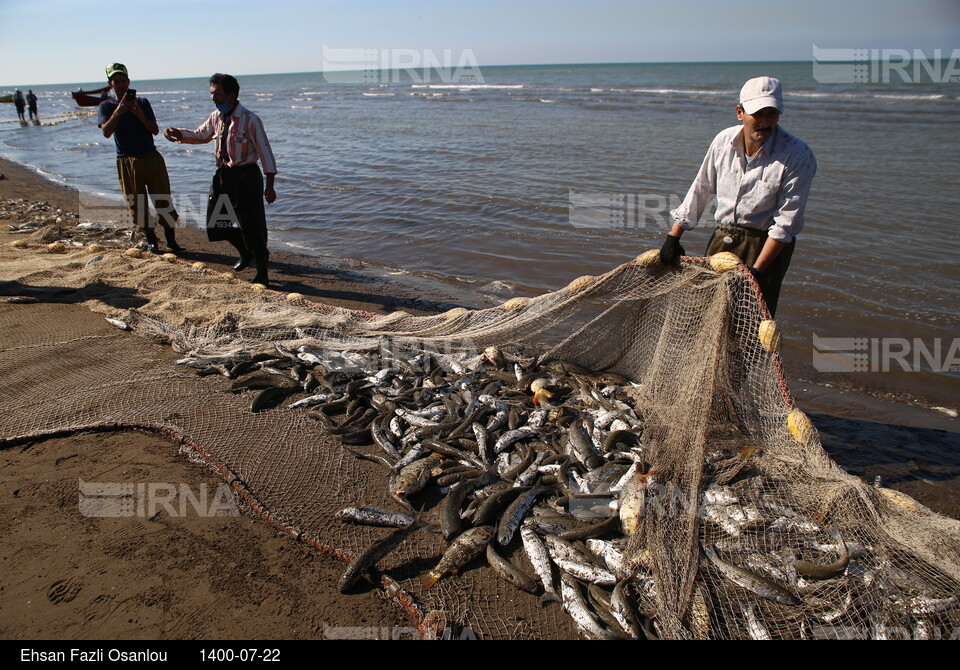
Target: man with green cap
[
  {"x": 760, "y": 176},
  {"x": 131, "y": 122}
]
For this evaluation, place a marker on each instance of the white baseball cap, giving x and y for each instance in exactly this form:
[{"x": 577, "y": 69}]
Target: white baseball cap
[{"x": 761, "y": 92}]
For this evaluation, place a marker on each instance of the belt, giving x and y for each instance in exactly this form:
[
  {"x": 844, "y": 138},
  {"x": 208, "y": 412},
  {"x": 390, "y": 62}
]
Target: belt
[{"x": 740, "y": 230}]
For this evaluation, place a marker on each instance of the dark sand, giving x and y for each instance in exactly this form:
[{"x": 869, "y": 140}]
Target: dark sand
[{"x": 67, "y": 576}]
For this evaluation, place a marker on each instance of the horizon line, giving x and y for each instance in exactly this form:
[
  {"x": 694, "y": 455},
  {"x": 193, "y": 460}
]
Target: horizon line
[{"x": 268, "y": 74}]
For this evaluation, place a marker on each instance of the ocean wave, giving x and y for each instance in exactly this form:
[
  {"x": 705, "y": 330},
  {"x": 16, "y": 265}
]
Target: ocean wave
[
  {"x": 164, "y": 92},
  {"x": 332, "y": 187},
  {"x": 866, "y": 95},
  {"x": 463, "y": 87},
  {"x": 678, "y": 91},
  {"x": 303, "y": 106}
]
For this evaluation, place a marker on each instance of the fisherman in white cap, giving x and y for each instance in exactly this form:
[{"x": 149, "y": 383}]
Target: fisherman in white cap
[{"x": 761, "y": 177}]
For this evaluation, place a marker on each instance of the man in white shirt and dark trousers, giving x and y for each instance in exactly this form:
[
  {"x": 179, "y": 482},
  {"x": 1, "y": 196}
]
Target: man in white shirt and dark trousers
[
  {"x": 235, "y": 211},
  {"x": 761, "y": 177}
]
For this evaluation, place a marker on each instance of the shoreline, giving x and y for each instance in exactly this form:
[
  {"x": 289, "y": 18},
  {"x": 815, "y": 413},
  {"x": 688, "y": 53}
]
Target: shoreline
[
  {"x": 916, "y": 451},
  {"x": 359, "y": 285},
  {"x": 920, "y": 397}
]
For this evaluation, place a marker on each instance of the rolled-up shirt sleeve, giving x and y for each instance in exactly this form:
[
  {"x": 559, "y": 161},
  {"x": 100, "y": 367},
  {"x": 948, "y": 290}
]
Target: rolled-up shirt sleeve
[
  {"x": 795, "y": 187},
  {"x": 201, "y": 135},
  {"x": 701, "y": 192}
]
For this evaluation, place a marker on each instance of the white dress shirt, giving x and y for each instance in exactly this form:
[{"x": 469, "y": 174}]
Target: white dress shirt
[{"x": 767, "y": 192}]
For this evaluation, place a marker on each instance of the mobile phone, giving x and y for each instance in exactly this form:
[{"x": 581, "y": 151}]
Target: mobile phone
[{"x": 131, "y": 94}]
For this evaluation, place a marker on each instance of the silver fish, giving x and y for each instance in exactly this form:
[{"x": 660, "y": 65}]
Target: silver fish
[
  {"x": 576, "y": 606},
  {"x": 460, "y": 552},
  {"x": 516, "y": 512},
  {"x": 570, "y": 560},
  {"x": 761, "y": 586},
  {"x": 540, "y": 560},
  {"x": 119, "y": 323},
  {"x": 369, "y": 558},
  {"x": 755, "y": 629},
  {"x": 374, "y": 516}
]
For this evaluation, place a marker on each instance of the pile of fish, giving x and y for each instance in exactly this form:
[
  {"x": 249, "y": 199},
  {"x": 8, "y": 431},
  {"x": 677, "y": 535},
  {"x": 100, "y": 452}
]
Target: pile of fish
[
  {"x": 59, "y": 224},
  {"x": 31, "y": 216},
  {"x": 541, "y": 467}
]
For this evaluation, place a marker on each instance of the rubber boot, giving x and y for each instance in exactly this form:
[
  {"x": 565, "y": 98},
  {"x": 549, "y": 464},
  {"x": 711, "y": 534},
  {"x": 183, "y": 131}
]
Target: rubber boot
[
  {"x": 171, "y": 236},
  {"x": 245, "y": 256},
  {"x": 153, "y": 244},
  {"x": 262, "y": 262}
]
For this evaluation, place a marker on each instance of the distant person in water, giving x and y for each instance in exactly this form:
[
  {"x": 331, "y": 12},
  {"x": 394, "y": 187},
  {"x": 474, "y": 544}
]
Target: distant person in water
[
  {"x": 760, "y": 176},
  {"x": 19, "y": 103},
  {"x": 235, "y": 211},
  {"x": 130, "y": 121},
  {"x": 32, "y": 104}
]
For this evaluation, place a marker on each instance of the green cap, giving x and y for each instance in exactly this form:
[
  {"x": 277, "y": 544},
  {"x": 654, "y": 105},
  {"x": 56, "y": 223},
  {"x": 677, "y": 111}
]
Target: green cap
[{"x": 114, "y": 69}]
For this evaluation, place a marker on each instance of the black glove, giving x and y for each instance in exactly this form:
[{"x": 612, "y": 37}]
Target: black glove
[
  {"x": 756, "y": 274},
  {"x": 671, "y": 251}
]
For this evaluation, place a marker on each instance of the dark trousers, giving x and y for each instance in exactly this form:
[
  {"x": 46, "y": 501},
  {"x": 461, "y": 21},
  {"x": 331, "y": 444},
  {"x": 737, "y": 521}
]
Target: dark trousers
[
  {"x": 747, "y": 243},
  {"x": 235, "y": 211}
]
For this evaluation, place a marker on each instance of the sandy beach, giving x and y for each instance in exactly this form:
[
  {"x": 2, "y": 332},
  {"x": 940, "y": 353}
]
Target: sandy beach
[
  {"x": 189, "y": 577},
  {"x": 68, "y": 576}
]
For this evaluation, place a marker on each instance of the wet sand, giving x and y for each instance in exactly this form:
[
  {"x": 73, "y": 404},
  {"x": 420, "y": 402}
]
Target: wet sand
[{"x": 67, "y": 576}]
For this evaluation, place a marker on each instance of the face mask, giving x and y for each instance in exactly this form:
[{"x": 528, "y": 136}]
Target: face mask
[{"x": 225, "y": 108}]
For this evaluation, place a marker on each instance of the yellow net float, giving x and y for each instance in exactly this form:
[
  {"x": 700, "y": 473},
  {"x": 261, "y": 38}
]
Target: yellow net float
[
  {"x": 901, "y": 500},
  {"x": 258, "y": 288},
  {"x": 647, "y": 258},
  {"x": 227, "y": 275},
  {"x": 198, "y": 267},
  {"x": 170, "y": 258},
  {"x": 800, "y": 427},
  {"x": 516, "y": 304},
  {"x": 95, "y": 248},
  {"x": 580, "y": 283},
  {"x": 295, "y": 298},
  {"x": 769, "y": 335},
  {"x": 133, "y": 252},
  {"x": 19, "y": 244},
  {"x": 725, "y": 261},
  {"x": 454, "y": 313},
  {"x": 56, "y": 248}
]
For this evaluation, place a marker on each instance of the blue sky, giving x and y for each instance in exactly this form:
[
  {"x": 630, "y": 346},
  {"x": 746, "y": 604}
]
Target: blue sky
[{"x": 62, "y": 41}]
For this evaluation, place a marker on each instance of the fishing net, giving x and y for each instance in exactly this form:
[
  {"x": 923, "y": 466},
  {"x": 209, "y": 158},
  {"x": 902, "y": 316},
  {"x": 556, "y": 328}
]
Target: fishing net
[{"x": 746, "y": 528}]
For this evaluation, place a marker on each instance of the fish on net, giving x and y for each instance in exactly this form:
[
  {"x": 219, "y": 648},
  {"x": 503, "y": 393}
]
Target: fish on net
[{"x": 619, "y": 459}]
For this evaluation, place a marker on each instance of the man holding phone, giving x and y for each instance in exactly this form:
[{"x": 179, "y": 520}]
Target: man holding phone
[{"x": 130, "y": 121}]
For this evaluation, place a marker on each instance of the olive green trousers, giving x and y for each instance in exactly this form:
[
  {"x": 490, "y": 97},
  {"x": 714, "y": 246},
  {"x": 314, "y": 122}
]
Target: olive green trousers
[{"x": 747, "y": 243}]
